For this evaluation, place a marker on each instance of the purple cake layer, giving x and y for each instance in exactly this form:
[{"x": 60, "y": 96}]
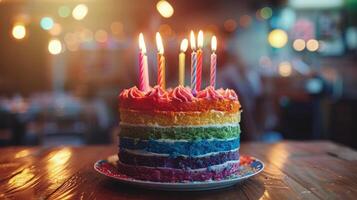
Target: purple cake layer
[
  {"x": 179, "y": 162},
  {"x": 217, "y": 172}
]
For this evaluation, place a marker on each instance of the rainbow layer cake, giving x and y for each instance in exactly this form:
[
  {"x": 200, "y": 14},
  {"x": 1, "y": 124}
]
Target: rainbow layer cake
[{"x": 173, "y": 136}]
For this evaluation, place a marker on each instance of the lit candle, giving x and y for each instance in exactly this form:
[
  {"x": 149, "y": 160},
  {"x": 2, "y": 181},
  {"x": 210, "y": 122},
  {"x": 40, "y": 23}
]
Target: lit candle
[
  {"x": 193, "y": 63},
  {"x": 182, "y": 56},
  {"x": 160, "y": 62},
  {"x": 199, "y": 59},
  {"x": 143, "y": 65},
  {"x": 213, "y": 62}
]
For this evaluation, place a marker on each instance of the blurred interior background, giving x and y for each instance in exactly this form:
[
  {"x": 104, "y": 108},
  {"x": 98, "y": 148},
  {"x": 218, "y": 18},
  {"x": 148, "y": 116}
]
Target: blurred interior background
[{"x": 63, "y": 63}]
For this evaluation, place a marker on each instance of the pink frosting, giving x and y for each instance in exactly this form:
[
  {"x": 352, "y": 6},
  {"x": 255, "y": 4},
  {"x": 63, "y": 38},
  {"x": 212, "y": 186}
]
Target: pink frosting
[
  {"x": 228, "y": 94},
  {"x": 209, "y": 93},
  {"x": 158, "y": 93},
  {"x": 182, "y": 94},
  {"x": 131, "y": 93}
]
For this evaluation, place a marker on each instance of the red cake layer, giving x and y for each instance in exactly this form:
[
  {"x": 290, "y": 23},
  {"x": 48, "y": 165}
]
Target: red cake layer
[{"x": 179, "y": 99}]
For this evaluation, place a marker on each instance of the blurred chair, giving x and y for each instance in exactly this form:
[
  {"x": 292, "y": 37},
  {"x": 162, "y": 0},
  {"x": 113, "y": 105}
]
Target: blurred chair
[{"x": 12, "y": 130}]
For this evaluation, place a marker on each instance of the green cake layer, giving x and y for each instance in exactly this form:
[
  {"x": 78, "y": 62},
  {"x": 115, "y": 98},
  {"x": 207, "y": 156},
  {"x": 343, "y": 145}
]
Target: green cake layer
[{"x": 180, "y": 133}]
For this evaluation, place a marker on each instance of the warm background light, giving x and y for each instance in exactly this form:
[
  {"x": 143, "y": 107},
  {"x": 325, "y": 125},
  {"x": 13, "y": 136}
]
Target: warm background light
[
  {"x": 285, "y": 69},
  {"x": 245, "y": 21},
  {"x": 54, "y": 46},
  {"x": 312, "y": 45},
  {"x": 117, "y": 28},
  {"x": 230, "y": 25},
  {"x": 86, "y": 35},
  {"x": 56, "y": 29},
  {"x": 101, "y": 36},
  {"x": 278, "y": 38},
  {"x": 164, "y": 8},
  {"x": 80, "y": 12},
  {"x": 19, "y": 31},
  {"x": 299, "y": 44}
]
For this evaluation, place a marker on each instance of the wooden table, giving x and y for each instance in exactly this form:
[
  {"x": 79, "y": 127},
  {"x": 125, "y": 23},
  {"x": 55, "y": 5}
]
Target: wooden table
[{"x": 294, "y": 170}]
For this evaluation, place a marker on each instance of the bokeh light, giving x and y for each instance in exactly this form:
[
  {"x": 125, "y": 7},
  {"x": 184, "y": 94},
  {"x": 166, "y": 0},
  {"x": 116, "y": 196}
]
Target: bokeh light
[
  {"x": 278, "y": 38},
  {"x": 64, "y": 11},
  {"x": 56, "y": 29},
  {"x": 166, "y": 30},
  {"x": 46, "y": 23},
  {"x": 285, "y": 69},
  {"x": 230, "y": 25},
  {"x": 312, "y": 45},
  {"x": 245, "y": 21},
  {"x": 72, "y": 41},
  {"x": 265, "y": 61},
  {"x": 86, "y": 35},
  {"x": 101, "y": 36},
  {"x": 54, "y": 46},
  {"x": 117, "y": 28},
  {"x": 299, "y": 44},
  {"x": 164, "y": 8},
  {"x": 266, "y": 12},
  {"x": 19, "y": 31},
  {"x": 80, "y": 12}
]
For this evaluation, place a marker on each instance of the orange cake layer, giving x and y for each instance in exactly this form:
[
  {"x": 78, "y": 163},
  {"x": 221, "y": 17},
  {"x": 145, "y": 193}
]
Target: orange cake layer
[{"x": 169, "y": 118}]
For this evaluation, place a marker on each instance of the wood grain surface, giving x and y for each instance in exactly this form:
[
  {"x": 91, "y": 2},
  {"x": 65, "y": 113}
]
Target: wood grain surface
[{"x": 294, "y": 170}]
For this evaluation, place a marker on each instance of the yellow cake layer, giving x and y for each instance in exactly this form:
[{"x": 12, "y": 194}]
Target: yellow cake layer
[{"x": 168, "y": 118}]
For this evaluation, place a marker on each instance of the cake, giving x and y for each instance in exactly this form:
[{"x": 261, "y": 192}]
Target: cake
[{"x": 175, "y": 136}]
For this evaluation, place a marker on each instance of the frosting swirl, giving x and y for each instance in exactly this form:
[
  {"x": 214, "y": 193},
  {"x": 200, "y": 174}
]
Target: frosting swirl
[
  {"x": 182, "y": 94},
  {"x": 209, "y": 93},
  {"x": 131, "y": 93},
  {"x": 228, "y": 94},
  {"x": 158, "y": 93}
]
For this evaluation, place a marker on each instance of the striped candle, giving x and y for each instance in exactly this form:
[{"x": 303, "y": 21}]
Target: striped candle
[
  {"x": 193, "y": 72},
  {"x": 199, "y": 69},
  {"x": 143, "y": 71},
  {"x": 193, "y": 63},
  {"x": 199, "y": 60},
  {"x": 213, "y": 62},
  {"x": 146, "y": 74},
  {"x": 161, "y": 71},
  {"x": 160, "y": 62}
]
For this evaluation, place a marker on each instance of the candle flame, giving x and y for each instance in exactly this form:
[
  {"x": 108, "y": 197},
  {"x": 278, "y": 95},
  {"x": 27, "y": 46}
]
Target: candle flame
[
  {"x": 193, "y": 40},
  {"x": 214, "y": 43},
  {"x": 200, "y": 39},
  {"x": 184, "y": 45},
  {"x": 160, "y": 46},
  {"x": 142, "y": 43}
]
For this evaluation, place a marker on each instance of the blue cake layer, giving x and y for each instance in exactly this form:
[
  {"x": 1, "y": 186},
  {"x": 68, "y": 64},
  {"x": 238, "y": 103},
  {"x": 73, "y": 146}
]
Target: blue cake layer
[{"x": 173, "y": 148}]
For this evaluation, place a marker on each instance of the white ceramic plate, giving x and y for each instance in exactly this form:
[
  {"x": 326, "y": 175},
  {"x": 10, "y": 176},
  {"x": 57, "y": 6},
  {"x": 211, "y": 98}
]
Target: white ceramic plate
[{"x": 249, "y": 166}]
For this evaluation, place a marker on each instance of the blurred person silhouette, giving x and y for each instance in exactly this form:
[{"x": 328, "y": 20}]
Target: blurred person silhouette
[
  {"x": 234, "y": 75},
  {"x": 243, "y": 77}
]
